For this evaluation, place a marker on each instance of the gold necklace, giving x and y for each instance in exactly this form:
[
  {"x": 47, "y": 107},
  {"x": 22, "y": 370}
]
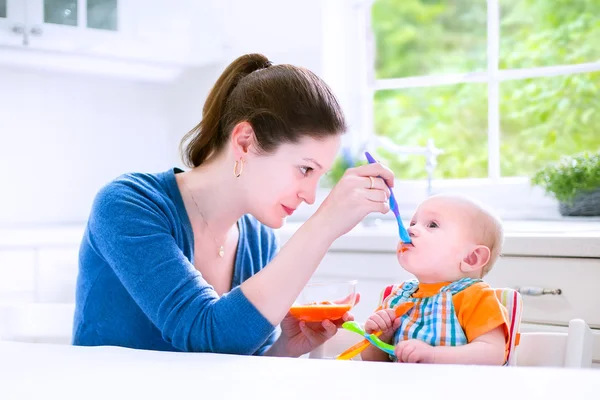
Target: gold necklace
[{"x": 221, "y": 251}]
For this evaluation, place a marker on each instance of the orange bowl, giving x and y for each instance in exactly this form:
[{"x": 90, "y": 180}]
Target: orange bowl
[{"x": 324, "y": 300}]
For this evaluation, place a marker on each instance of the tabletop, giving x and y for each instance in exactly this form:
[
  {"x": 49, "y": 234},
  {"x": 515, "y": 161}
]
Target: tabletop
[{"x": 34, "y": 371}]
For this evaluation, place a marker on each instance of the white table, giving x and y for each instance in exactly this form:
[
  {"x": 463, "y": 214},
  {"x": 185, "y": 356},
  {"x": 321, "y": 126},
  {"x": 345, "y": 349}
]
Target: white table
[{"x": 40, "y": 371}]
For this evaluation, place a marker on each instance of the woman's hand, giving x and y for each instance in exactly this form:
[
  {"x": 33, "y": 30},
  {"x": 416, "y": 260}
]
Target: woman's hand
[
  {"x": 361, "y": 191},
  {"x": 300, "y": 337}
]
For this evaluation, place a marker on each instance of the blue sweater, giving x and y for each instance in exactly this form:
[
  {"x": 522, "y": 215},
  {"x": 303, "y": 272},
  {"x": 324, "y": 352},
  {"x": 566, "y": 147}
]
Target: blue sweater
[{"x": 137, "y": 286}]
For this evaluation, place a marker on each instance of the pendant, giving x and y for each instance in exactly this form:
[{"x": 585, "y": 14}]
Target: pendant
[{"x": 221, "y": 251}]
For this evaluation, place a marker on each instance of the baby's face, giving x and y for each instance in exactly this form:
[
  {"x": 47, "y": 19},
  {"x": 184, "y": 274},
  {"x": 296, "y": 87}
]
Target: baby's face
[{"x": 441, "y": 237}]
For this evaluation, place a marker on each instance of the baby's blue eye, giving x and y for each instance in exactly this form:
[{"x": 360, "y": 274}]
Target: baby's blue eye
[{"x": 433, "y": 225}]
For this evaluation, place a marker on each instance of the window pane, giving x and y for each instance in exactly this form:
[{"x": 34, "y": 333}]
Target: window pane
[
  {"x": 2, "y": 8},
  {"x": 454, "y": 116},
  {"x": 62, "y": 12},
  {"x": 537, "y": 33},
  {"x": 422, "y": 37},
  {"x": 102, "y": 14},
  {"x": 544, "y": 118}
]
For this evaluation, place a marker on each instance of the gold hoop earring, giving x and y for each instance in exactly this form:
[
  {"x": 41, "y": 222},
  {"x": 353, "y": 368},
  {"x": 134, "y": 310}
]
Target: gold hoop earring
[{"x": 237, "y": 173}]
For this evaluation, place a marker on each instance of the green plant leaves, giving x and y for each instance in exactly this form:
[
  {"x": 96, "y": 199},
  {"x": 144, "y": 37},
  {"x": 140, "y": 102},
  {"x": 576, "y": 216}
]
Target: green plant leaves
[{"x": 569, "y": 176}]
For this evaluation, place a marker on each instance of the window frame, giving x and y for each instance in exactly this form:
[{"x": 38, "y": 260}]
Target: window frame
[
  {"x": 349, "y": 46},
  {"x": 530, "y": 203}
]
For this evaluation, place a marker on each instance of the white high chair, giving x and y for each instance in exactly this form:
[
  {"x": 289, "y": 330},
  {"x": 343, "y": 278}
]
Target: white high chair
[
  {"x": 37, "y": 322},
  {"x": 571, "y": 349}
]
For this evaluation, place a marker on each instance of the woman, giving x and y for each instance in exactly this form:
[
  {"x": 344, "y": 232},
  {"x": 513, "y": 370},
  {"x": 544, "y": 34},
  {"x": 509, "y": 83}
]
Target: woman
[{"x": 188, "y": 261}]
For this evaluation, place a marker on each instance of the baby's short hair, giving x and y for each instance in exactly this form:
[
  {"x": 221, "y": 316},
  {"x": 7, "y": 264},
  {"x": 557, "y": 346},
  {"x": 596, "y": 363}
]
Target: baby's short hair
[
  {"x": 489, "y": 232},
  {"x": 487, "y": 227}
]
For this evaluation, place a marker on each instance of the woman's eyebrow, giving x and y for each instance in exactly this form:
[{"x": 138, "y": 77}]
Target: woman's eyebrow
[{"x": 313, "y": 161}]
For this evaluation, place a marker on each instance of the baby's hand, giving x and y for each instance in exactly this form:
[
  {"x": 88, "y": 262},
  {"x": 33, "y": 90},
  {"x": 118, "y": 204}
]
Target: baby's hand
[
  {"x": 414, "y": 351},
  {"x": 383, "y": 320}
]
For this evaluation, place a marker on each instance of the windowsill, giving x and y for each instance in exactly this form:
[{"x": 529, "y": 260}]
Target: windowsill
[
  {"x": 511, "y": 198},
  {"x": 569, "y": 237},
  {"x": 566, "y": 237}
]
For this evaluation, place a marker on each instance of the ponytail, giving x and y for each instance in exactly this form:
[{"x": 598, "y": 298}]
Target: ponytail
[
  {"x": 208, "y": 136},
  {"x": 282, "y": 103}
]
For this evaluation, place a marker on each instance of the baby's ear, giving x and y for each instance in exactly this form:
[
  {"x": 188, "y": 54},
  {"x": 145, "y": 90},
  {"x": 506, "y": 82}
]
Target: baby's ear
[{"x": 476, "y": 259}]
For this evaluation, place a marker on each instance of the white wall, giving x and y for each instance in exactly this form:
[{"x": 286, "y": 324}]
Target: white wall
[
  {"x": 63, "y": 135},
  {"x": 285, "y": 31}
]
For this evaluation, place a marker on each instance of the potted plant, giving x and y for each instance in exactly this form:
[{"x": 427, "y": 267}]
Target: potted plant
[{"x": 575, "y": 182}]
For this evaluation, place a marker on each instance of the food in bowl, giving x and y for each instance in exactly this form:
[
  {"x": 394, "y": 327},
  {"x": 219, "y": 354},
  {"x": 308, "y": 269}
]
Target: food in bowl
[
  {"x": 319, "y": 311},
  {"x": 321, "y": 301}
]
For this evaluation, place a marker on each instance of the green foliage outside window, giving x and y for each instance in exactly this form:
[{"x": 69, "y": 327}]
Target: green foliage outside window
[{"x": 541, "y": 119}]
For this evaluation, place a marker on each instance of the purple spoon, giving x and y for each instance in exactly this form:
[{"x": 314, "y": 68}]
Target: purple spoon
[{"x": 404, "y": 236}]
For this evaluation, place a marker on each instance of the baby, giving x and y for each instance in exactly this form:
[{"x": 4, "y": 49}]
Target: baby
[{"x": 456, "y": 318}]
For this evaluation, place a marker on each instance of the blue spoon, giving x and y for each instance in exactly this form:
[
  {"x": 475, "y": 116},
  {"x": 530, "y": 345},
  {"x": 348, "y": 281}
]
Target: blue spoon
[{"x": 404, "y": 236}]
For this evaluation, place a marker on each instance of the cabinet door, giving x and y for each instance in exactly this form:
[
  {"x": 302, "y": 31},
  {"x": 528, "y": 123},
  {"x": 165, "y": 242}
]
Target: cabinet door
[
  {"x": 17, "y": 276},
  {"x": 577, "y": 279},
  {"x": 12, "y": 22},
  {"x": 72, "y": 25},
  {"x": 57, "y": 275}
]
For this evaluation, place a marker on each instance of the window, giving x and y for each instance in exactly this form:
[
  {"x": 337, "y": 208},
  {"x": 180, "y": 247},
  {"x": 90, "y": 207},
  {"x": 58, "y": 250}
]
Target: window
[{"x": 501, "y": 87}]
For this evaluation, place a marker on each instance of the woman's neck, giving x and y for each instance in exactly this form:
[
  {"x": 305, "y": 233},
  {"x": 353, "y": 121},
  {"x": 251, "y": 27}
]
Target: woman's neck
[{"x": 211, "y": 189}]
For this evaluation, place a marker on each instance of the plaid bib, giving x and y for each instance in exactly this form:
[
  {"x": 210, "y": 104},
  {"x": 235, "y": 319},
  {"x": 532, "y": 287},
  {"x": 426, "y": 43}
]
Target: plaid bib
[{"x": 432, "y": 319}]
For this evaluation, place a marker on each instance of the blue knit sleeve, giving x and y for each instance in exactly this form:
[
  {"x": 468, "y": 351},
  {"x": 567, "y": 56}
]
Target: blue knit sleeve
[
  {"x": 273, "y": 249},
  {"x": 133, "y": 232}
]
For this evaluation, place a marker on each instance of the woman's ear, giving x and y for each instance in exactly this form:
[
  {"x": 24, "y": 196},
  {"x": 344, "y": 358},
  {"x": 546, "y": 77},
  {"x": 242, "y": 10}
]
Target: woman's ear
[
  {"x": 476, "y": 259},
  {"x": 242, "y": 139}
]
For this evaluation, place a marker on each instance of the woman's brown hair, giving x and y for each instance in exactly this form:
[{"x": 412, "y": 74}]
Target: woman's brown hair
[{"x": 282, "y": 103}]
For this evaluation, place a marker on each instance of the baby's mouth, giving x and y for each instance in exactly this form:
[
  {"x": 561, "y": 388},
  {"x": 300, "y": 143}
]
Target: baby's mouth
[{"x": 405, "y": 247}]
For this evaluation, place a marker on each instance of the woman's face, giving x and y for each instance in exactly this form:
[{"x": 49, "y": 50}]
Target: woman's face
[{"x": 277, "y": 183}]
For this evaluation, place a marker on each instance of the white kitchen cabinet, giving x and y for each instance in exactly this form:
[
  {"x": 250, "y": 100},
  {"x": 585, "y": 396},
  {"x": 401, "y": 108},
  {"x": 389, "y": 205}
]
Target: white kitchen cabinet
[
  {"x": 577, "y": 280},
  {"x": 64, "y": 25},
  {"x": 12, "y": 22},
  {"x": 144, "y": 39},
  {"x": 17, "y": 275},
  {"x": 57, "y": 274},
  {"x": 73, "y": 25}
]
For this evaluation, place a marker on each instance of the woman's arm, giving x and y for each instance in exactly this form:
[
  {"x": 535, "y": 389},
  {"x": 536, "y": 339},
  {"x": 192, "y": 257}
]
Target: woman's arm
[
  {"x": 274, "y": 289},
  {"x": 130, "y": 230}
]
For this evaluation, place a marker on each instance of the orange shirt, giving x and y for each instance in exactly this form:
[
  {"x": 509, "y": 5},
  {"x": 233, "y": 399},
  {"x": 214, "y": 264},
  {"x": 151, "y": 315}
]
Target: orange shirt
[{"x": 477, "y": 308}]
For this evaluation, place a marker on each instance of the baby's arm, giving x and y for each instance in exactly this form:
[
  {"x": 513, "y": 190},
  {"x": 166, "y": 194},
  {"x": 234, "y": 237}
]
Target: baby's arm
[{"x": 487, "y": 349}]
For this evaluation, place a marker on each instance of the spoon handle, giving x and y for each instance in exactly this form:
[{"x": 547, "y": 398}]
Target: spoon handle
[
  {"x": 375, "y": 341},
  {"x": 358, "y": 348},
  {"x": 404, "y": 236}
]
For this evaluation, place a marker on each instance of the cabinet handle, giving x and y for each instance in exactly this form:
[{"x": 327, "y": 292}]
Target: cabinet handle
[
  {"x": 18, "y": 29},
  {"x": 537, "y": 291},
  {"x": 37, "y": 31}
]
